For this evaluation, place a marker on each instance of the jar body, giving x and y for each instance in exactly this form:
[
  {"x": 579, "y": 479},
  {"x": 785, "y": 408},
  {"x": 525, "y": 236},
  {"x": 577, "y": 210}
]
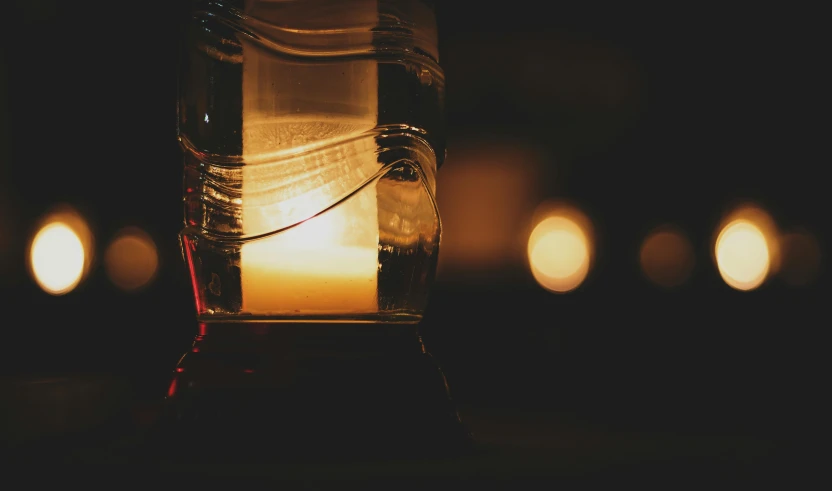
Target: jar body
[{"x": 312, "y": 133}]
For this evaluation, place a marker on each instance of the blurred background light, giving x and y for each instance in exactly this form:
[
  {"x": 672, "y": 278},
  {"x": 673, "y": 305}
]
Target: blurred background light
[
  {"x": 800, "y": 258},
  {"x": 667, "y": 257},
  {"x": 486, "y": 192},
  {"x": 560, "y": 249},
  {"x": 742, "y": 255},
  {"x": 61, "y": 251},
  {"x": 57, "y": 257},
  {"x": 131, "y": 259},
  {"x": 746, "y": 250}
]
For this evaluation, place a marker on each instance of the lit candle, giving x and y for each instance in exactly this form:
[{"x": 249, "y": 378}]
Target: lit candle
[
  {"x": 308, "y": 268},
  {"x": 300, "y": 160}
]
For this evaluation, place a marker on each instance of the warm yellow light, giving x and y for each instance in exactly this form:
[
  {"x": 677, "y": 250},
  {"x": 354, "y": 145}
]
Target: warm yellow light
[
  {"x": 311, "y": 268},
  {"x": 327, "y": 262},
  {"x": 667, "y": 257},
  {"x": 57, "y": 258},
  {"x": 131, "y": 260},
  {"x": 743, "y": 255},
  {"x": 559, "y": 253}
]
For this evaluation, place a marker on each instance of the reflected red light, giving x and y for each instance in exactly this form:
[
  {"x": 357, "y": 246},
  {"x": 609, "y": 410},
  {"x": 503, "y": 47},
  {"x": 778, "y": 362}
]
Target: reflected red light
[
  {"x": 194, "y": 282},
  {"x": 248, "y": 370},
  {"x": 172, "y": 388}
]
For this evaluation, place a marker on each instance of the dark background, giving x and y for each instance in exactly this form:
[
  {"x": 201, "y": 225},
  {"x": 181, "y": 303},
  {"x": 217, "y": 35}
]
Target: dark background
[{"x": 650, "y": 114}]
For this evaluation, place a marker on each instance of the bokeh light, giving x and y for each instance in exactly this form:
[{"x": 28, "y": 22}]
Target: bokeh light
[
  {"x": 667, "y": 257},
  {"x": 60, "y": 252},
  {"x": 560, "y": 250},
  {"x": 742, "y": 255},
  {"x": 57, "y": 258},
  {"x": 801, "y": 258},
  {"x": 746, "y": 250},
  {"x": 131, "y": 259},
  {"x": 492, "y": 186}
]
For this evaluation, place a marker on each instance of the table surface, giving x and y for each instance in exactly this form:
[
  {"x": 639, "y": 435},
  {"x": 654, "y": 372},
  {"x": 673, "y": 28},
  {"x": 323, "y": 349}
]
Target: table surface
[{"x": 513, "y": 445}]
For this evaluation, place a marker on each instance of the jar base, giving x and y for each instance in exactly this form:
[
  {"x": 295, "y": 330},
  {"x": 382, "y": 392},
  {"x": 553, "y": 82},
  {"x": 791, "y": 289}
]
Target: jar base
[{"x": 254, "y": 391}]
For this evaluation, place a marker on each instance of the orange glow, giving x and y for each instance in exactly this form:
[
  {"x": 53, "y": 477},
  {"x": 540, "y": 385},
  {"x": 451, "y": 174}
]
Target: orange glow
[
  {"x": 560, "y": 250},
  {"x": 486, "y": 192},
  {"x": 801, "y": 258},
  {"x": 747, "y": 250},
  {"x": 60, "y": 252},
  {"x": 131, "y": 259},
  {"x": 667, "y": 257}
]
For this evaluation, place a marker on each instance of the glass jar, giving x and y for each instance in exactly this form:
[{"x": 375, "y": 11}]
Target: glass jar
[{"x": 312, "y": 133}]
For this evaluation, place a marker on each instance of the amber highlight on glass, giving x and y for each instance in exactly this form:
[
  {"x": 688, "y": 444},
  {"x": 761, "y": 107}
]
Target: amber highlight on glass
[{"x": 312, "y": 132}]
